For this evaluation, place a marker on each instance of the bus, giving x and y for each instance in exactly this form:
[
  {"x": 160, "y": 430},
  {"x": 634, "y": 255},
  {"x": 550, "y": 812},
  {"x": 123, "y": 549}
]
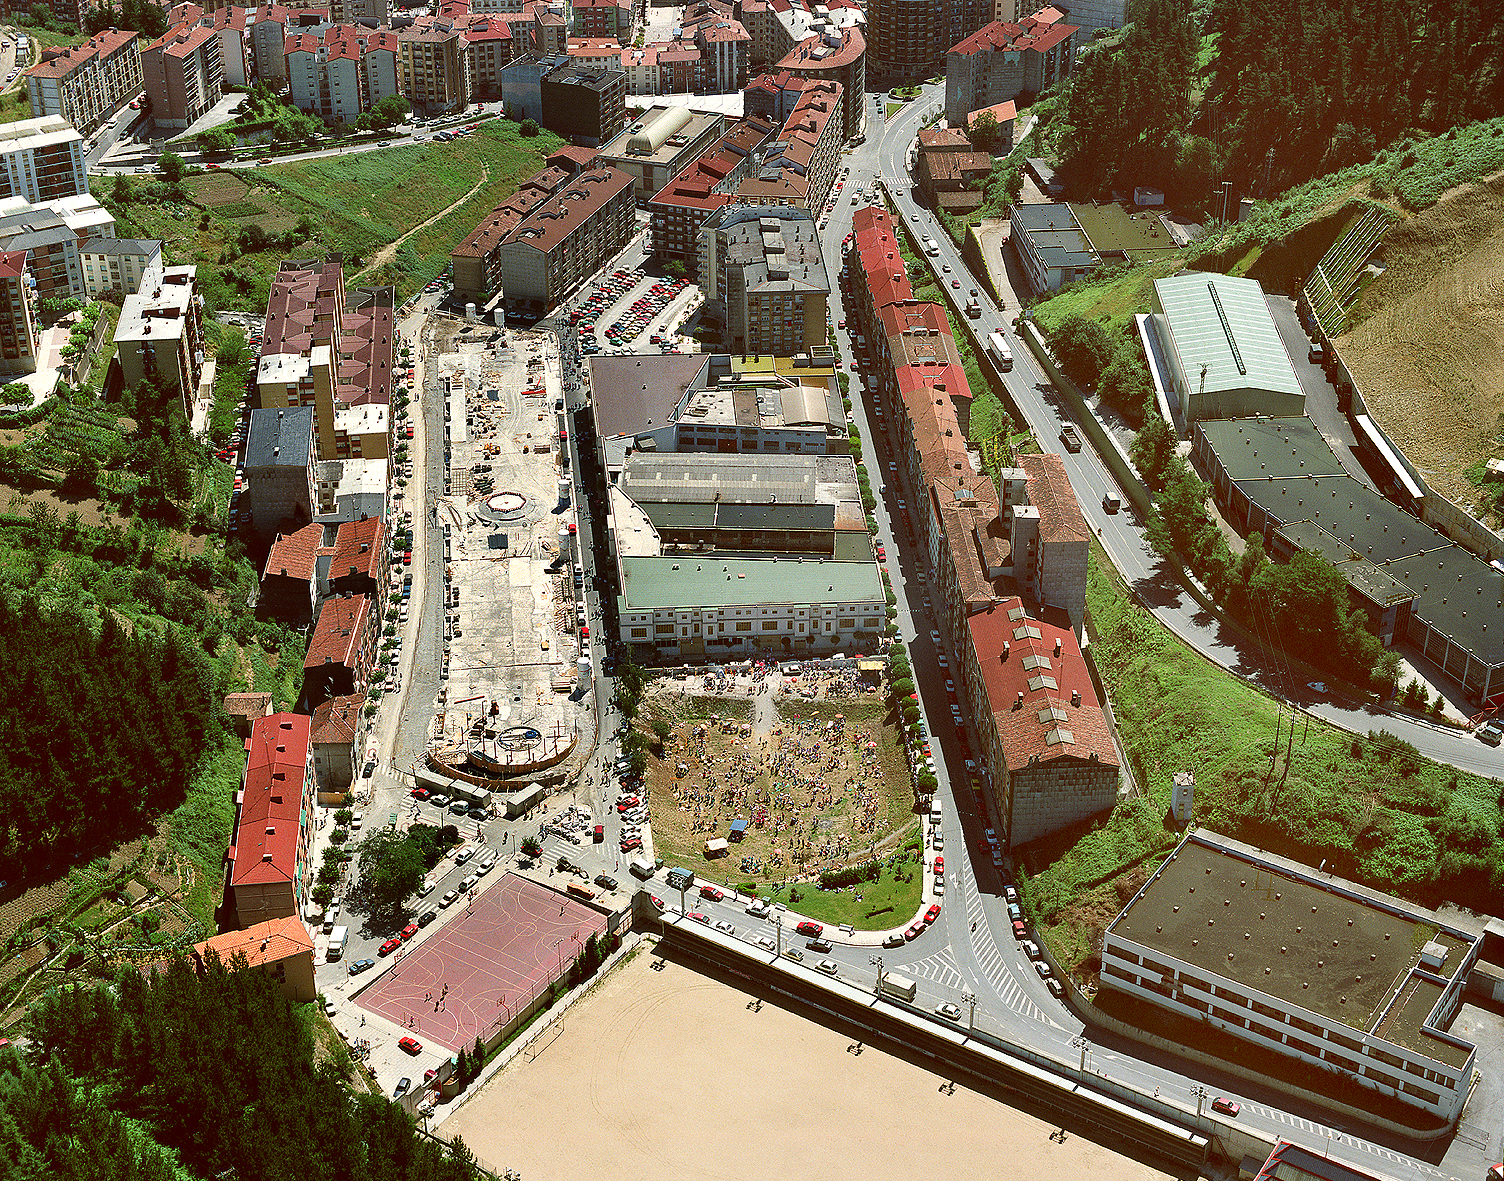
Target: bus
[
  {"x": 581, "y": 891},
  {"x": 1002, "y": 356}
]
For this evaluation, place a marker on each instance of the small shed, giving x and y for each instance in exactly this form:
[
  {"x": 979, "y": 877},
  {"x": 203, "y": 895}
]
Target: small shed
[{"x": 738, "y": 829}]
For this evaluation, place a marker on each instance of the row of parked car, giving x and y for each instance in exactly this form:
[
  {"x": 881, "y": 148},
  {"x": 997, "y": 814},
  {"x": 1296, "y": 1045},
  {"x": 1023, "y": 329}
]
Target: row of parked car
[{"x": 635, "y": 320}]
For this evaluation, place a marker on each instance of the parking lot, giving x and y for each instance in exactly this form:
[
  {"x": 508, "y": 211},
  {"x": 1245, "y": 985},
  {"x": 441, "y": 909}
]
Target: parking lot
[{"x": 633, "y": 312}]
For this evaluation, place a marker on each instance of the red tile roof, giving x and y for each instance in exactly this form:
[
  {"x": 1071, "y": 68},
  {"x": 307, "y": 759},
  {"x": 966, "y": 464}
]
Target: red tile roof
[
  {"x": 59, "y": 63},
  {"x": 270, "y": 807},
  {"x": 1029, "y": 35},
  {"x": 12, "y": 264},
  {"x": 336, "y": 721},
  {"x": 1060, "y": 516},
  {"x": 270, "y": 942},
  {"x": 357, "y": 548},
  {"x": 295, "y": 555},
  {"x": 337, "y": 634},
  {"x": 1043, "y": 724},
  {"x": 806, "y": 56}
]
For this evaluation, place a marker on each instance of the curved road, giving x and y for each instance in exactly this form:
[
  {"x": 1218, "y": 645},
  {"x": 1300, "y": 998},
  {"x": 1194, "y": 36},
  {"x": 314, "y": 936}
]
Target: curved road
[{"x": 1155, "y": 584}]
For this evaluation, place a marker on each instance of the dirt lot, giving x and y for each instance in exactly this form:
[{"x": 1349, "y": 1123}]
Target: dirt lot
[
  {"x": 821, "y": 784},
  {"x": 1428, "y": 345},
  {"x": 750, "y": 1096}
]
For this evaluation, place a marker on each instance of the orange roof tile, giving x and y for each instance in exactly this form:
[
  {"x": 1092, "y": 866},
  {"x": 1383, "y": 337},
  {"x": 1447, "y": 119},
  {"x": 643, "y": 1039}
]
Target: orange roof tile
[
  {"x": 261, "y": 943},
  {"x": 337, "y": 633},
  {"x": 270, "y": 806},
  {"x": 1060, "y": 516}
]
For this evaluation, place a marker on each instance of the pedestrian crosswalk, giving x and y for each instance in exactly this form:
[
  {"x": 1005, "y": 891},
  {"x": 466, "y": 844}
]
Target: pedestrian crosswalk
[
  {"x": 991, "y": 959},
  {"x": 938, "y": 969}
]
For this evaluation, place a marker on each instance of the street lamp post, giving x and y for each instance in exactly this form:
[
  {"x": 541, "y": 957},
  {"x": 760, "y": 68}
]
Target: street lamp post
[
  {"x": 970, "y": 998},
  {"x": 1201, "y": 1094},
  {"x": 877, "y": 962},
  {"x": 1083, "y": 1045}
]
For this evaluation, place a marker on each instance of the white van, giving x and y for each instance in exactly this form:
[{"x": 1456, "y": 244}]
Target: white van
[{"x": 337, "y": 943}]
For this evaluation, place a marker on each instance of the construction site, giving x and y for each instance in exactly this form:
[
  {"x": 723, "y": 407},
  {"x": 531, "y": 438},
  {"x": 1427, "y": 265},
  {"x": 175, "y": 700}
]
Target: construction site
[{"x": 512, "y": 706}]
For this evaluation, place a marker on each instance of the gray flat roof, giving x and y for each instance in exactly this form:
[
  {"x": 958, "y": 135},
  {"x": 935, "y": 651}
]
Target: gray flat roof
[
  {"x": 638, "y": 393},
  {"x": 1360, "y": 573},
  {"x": 1459, "y": 595},
  {"x": 1292, "y": 937},
  {"x": 1251, "y": 448},
  {"x": 282, "y": 441},
  {"x": 682, "y": 581},
  {"x": 1231, "y": 333},
  {"x": 687, "y": 476},
  {"x": 1055, "y": 234}
]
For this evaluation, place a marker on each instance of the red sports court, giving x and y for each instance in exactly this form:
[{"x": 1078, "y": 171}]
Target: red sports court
[{"x": 480, "y": 970}]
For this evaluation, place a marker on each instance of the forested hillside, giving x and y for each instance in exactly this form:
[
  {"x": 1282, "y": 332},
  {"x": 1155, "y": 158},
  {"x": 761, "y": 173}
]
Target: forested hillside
[
  {"x": 182, "y": 1074},
  {"x": 1269, "y": 93}
]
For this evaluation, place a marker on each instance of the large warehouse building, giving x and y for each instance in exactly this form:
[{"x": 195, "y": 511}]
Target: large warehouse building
[
  {"x": 1225, "y": 354},
  {"x": 1303, "y": 964}
]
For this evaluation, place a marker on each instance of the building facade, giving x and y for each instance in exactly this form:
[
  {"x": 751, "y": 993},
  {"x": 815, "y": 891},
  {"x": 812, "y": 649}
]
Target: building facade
[
  {"x": 342, "y": 72},
  {"x": 907, "y": 39},
  {"x": 1007, "y": 60},
  {"x": 279, "y": 468},
  {"x": 120, "y": 264},
  {"x": 87, "y": 83},
  {"x": 42, "y": 160},
  {"x": 183, "y": 72},
  {"x": 161, "y": 332},
  {"x": 585, "y": 106},
  {"x": 433, "y": 66},
  {"x": 18, "y": 330}
]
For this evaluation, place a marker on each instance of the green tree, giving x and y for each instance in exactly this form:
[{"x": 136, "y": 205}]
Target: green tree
[
  {"x": 1153, "y": 447},
  {"x": 390, "y": 111},
  {"x": 124, "y": 192},
  {"x": 172, "y": 167},
  {"x": 1083, "y": 347},
  {"x": 391, "y": 870},
  {"x": 527, "y": 129},
  {"x": 985, "y": 131},
  {"x": 1125, "y": 382},
  {"x": 217, "y": 140}
]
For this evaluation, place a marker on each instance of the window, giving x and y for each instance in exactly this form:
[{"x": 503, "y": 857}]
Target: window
[{"x": 744, "y": 627}]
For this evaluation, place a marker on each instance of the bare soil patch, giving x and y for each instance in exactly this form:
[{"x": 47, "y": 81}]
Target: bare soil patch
[{"x": 1427, "y": 346}]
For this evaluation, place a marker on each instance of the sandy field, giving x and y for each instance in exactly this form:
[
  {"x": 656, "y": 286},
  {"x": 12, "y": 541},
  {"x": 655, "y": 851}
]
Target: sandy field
[{"x": 668, "y": 1074}]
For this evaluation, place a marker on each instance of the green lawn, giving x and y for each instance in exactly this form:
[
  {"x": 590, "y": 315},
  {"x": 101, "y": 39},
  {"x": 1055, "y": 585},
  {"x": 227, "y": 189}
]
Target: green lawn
[
  {"x": 1112, "y": 299},
  {"x": 891, "y": 901},
  {"x": 1377, "y": 812}
]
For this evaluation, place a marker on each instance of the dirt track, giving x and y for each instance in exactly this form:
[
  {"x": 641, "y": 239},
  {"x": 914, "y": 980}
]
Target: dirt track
[
  {"x": 1428, "y": 348},
  {"x": 670, "y": 1074}
]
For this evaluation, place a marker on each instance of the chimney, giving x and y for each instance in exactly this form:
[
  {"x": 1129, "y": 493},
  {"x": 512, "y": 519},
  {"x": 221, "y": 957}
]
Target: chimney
[
  {"x": 1076, "y": 697},
  {"x": 1018, "y": 702},
  {"x": 1057, "y": 646}
]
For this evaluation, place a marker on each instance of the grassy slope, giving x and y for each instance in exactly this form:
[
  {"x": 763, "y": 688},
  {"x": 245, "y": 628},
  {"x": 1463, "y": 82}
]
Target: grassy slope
[
  {"x": 1176, "y": 711},
  {"x": 356, "y": 204}
]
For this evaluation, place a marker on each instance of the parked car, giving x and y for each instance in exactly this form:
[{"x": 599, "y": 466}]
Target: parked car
[
  {"x": 360, "y": 966},
  {"x": 813, "y": 930},
  {"x": 949, "y": 1011},
  {"x": 403, "y": 1086},
  {"x": 1224, "y": 1106},
  {"x": 411, "y": 1044},
  {"x": 716, "y": 895},
  {"x": 389, "y": 946}
]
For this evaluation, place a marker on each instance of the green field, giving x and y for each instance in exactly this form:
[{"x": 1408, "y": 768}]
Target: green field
[
  {"x": 239, "y": 224},
  {"x": 1374, "y": 810}
]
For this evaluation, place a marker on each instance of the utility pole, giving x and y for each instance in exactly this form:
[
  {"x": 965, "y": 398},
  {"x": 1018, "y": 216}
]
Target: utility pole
[
  {"x": 1201, "y": 1094},
  {"x": 970, "y": 998},
  {"x": 1083, "y": 1045},
  {"x": 877, "y": 961}
]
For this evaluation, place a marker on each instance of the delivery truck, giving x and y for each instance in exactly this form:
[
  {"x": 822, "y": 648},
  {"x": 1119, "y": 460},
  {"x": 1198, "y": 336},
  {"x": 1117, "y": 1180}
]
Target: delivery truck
[
  {"x": 337, "y": 939},
  {"x": 900, "y": 986}
]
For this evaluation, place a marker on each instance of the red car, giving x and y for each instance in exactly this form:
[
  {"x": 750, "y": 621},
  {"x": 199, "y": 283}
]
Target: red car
[
  {"x": 712, "y": 893},
  {"x": 420, "y": 793},
  {"x": 630, "y": 844},
  {"x": 600, "y": 833},
  {"x": 914, "y": 931},
  {"x": 1226, "y": 1106},
  {"x": 573, "y": 528},
  {"x": 411, "y": 1044},
  {"x": 407, "y": 558},
  {"x": 939, "y": 866},
  {"x": 389, "y": 946},
  {"x": 699, "y": 918},
  {"x": 932, "y": 914},
  {"x": 584, "y": 631},
  {"x": 408, "y": 932},
  {"x": 813, "y": 930},
  {"x": 1020, "y": 932}
]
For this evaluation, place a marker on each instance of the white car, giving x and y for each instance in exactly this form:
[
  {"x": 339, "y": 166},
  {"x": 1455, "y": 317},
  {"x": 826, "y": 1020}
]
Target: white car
[
  {"x": 758, "y": 908},
  {"x": 357, "y": 820}
]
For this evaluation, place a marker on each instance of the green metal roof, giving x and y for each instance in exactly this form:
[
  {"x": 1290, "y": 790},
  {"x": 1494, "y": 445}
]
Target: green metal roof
[
  {"x": 1223, "y": 323},
  {"x": 657, "y": 582},
  {"x": 1270, "y": 448}
]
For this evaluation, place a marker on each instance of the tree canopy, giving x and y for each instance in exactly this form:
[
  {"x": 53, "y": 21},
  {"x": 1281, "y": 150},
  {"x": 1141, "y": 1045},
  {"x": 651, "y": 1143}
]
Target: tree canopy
[{"x": 208, "y": 1067}]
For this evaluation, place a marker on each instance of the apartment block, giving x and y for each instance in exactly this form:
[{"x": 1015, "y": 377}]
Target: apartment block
[
  {"x": 86, "y": 84},
  {"x": 161, "y": 332},
  {"x": 490, "y": 44},
  {"x": 476, "y": 261},
  {"x": 183, "y": 72},
  {"x": 799, "y": 166},
  {"x": 53, "y": 234},
  {"x": 269, "y": 863},
  {"x": 765, "y": 279},
  {"x": 1007, "y": 60},
  {"x": 341, "y": 72},
  {"x": 119, "y": 264},
  {"x": 270, "y": 25},
  {"x": 434, "y": 67},
  {"x": 342, "y": 649},
  {"x": 568, "y": 238},
  {"x": 602, "y": 18},
  {"x": 907, "y": 39},
  {"x": 325, "y": 347},
  {"x": 585, "y": 106},
  {"x": 42, "y": 160},
  {"x": 834, "y": 53},
  {"x": 18, "y": 330}
]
